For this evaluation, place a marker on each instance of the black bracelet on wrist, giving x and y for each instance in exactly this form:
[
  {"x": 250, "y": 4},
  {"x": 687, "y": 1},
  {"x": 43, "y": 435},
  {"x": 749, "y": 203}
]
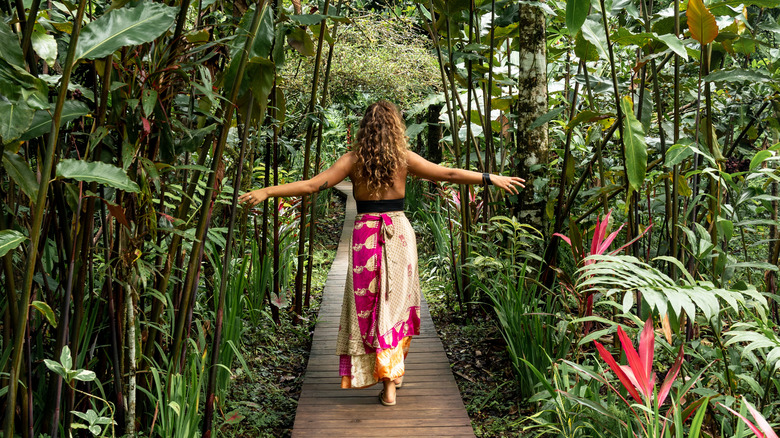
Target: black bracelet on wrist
[{"x": 486, "y": 179}]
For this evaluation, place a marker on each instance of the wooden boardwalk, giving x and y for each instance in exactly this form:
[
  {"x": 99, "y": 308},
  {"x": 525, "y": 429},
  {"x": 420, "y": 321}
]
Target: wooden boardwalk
[{"x": 429, "y": 404}]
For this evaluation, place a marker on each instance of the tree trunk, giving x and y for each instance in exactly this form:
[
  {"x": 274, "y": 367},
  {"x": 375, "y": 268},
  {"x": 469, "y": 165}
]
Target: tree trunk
[
  {"x": 532, "y": 94},
  {"x": 433, "y": 152}
]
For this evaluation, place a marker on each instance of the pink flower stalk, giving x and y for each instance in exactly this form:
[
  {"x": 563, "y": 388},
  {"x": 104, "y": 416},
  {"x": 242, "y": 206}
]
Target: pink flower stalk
[
  {"x": 599, "y": 245},
  {"x": 764, "y": 430},
  {"x": 638, "y": 377},
  {"x": 600, "y": 242}
]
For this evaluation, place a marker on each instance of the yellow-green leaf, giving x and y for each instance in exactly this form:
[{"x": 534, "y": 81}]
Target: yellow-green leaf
[
  {"x": 10, "y": 239},
  {"x": 46, "y": 312},
  {"x": 701, "y": 22}
]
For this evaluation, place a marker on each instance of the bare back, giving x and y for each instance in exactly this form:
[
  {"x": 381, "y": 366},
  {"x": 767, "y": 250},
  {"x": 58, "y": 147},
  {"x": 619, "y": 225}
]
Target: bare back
[{"x": 360, "y": 187}]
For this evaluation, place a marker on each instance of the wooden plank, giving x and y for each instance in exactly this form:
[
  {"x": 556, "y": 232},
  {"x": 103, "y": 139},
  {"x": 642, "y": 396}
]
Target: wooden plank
[
  {"x": 405, "y": 432},
  {"x": 386, "y": 422},
  {"x": 429, "y": 404},
  {"x": 352, "y": 413}
]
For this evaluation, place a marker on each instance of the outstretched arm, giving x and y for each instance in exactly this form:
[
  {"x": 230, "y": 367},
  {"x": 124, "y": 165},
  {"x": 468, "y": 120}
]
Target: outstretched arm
[
  {"x": 423, "y": 168},
  {"x": 328, "y": 178}
]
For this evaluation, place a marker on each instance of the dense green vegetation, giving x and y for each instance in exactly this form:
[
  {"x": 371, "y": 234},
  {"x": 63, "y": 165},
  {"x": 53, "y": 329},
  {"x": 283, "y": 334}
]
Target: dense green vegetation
[{"x": 647, "y": 235}]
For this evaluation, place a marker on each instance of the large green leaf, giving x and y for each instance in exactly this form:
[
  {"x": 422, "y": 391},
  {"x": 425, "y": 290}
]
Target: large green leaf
[
  {"x": 306, "y": 20},
  {"x": 44, "y": 45},
  {"x": 735, "y": 3},
  {"x": 701, "y": 22},
  {"x": 674, "y": 44},
  {"x": 124, "y": 27},
  {"x": 18, "y": 169},
  {"x": 257, "y": 69},
  {"x": 635, "y": 147},
  {"x": 625, "y": 37},
  {"x": 10, "y": 50},
  {"x": 260, "y": 74},
  {"x": 737, "y": 75},
  {"x": 10, "y": 239},
  {"x": 544, "y": 118},
  {"x": 300, "y": 41},
  {"x": 582, "y": 117},
  {"x": 678, "y": 152},
  {"x": 41, "y": 122},
  {"x": 585, "y": 50},
  {"x": 593, "y": 31},
  {"x": 450, "y": 8},
  {"x": 17, "y": 85},
  {"x": 98, "y": 172},
  {"x": 14, "y": 120},
  {"x": 576, "y": 13}
]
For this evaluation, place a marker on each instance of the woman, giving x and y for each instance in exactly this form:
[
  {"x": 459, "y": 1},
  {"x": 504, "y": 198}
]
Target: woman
[{"x": 382, "y": 296}]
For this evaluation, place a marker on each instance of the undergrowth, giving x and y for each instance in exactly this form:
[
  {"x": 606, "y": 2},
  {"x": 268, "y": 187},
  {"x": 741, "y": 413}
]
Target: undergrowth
[{"x": 265, "y": 399}]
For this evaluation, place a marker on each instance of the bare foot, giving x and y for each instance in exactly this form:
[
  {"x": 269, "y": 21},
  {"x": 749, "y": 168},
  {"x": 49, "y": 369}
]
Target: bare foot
[{"x": 388, "y": 395}]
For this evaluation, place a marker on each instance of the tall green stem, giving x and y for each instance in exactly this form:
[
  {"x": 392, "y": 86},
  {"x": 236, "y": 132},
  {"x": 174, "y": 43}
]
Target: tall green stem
[
  {"x": 37, "y": 220},
  {"x": 306, "y": 164},
  {"x": 208, "y": 415},
  {"x": 318, "y": 158},
  {"x": 676, "y": 137},
  {"x": 194, "y": 264}
]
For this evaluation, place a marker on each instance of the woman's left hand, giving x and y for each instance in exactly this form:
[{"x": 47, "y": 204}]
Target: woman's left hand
[
  {"x": 508, "y": 183},
  {"x": 253, "y": 198}
]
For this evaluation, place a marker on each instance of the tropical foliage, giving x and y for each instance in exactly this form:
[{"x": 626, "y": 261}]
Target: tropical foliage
[{"x": 128, "y": 130}]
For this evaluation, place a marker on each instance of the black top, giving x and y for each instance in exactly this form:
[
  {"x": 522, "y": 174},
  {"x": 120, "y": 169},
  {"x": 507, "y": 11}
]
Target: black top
[{"x": 380, "y": 206}]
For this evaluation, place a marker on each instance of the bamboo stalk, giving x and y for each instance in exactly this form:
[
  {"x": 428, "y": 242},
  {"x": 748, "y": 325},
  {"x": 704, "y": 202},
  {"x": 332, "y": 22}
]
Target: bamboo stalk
[
  {"x": 488, "y": 129},
  {"x": 10, "y": 283},
  {"x": 62, "y": 332},
  {"x": 469, "y": 89},
  {"x": 714, "y": 186},
  {"x": 37, "y": 220},
  {"x": 465, "y": 213},
  {"x": 599, "y": 153},
  {"x": 208, "y": 414},
  {"x": 131, "y": 361},
  {"x": 200, "y": 234},
  {"x": 676, "y": 138},
  {"x": 112, "y": 319},
  {"x": 28, "y": 402},
  {"x": 613, "y": 74},
  {"x": 317, "y": 159},
  {"x": 551, "y": 252},
  {"x": 29, "y": 24},
  {"x": 298, "y": 306},
  {"x": 452, "y": 115},
  {"x": 277, "y": 284},
  {"x": 173, "y": 251}
]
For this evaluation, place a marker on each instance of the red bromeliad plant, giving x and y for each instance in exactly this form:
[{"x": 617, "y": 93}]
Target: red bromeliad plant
[
  {"x": 599, "y": 245},
  {"x": 638, "y": 377}
]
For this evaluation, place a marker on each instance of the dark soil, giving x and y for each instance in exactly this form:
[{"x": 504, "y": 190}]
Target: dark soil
[{"x": 482, "y": 369}]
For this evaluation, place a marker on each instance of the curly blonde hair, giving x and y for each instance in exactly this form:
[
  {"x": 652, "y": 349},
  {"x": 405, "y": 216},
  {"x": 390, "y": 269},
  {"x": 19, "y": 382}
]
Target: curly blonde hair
[{"x": 380, "y": 146}]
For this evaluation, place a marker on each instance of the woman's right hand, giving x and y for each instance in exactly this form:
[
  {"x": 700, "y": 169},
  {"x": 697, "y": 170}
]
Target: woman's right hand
[
  {"x": 508, "y": 183},
  {"x": 253, "y": 198}
]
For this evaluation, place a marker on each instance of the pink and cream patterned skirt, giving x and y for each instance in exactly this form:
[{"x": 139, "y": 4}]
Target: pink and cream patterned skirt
[{"x": 381, "y": 309}]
